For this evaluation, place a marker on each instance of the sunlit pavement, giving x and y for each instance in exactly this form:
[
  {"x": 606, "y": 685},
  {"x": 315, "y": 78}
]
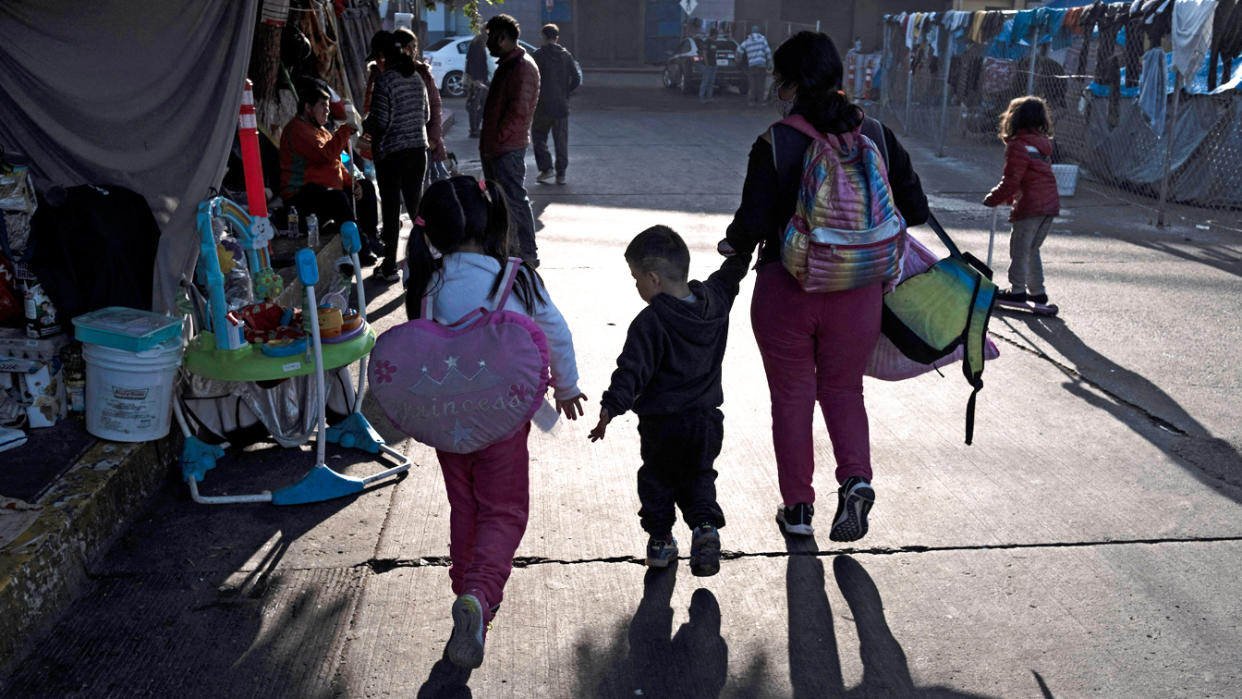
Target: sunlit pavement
[{"x": 1087, "y": 543}]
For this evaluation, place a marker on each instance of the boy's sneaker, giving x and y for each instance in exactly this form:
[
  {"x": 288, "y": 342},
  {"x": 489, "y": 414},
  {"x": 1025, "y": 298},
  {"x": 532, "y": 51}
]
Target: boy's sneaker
[
  {"x": 1041, "y": 299},
  {"x": 545, "y": 176},
  {"x": 854, "y": 501},
  {"x": 705, "y": 551},
  {"x": 465, "y": 646},
  {"x": 560, "y": 179},
  {"x": 1010, "y": 296},
  {"x": 796, "y": 520},
  {"x": 661, "y": 551}
]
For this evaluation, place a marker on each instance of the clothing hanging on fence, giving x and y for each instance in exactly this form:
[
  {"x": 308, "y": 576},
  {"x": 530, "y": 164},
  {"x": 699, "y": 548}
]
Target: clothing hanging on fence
[
  {"x": 911, "y": 28},
  {"x": 1226, "y": 38},
  {"x": 1153, "y": 89},
  {"x": 1192, "y": 33},
  {"x": 1021, "y": 28},
  {"x": 976, "y": 27}
]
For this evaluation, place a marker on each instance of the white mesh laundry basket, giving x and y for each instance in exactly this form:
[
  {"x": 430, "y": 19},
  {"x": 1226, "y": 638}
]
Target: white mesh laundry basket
[{"x": 1067, "y": 179}]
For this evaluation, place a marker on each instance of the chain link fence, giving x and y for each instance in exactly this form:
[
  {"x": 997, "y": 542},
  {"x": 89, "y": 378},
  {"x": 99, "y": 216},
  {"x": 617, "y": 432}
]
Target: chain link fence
[{"x": 1186, "y": 169}]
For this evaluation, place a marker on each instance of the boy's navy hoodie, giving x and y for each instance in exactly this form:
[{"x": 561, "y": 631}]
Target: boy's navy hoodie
[{"x": 674, "y": 349}]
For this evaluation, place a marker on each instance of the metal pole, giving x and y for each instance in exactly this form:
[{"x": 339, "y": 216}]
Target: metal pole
[
  {"x": 944, "y": 99},
  {"x": 1030, "y": 80},
  {"x": 909, "y": 88},
  {"x": 1170, "y": 130},
  {"x": 886, "y": 64}
]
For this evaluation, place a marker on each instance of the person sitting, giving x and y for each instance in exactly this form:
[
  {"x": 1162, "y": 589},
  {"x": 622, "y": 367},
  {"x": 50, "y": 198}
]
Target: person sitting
[{"x": 312, "y": 176}]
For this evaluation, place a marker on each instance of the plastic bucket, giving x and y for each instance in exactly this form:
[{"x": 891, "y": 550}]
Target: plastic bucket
[
  {"x": 129, "y": 394},
  {"x": 1067, "y": 179}
]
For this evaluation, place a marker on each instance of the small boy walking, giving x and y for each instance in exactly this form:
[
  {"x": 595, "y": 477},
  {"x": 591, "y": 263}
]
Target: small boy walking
[{"x": 668, "y": 373}]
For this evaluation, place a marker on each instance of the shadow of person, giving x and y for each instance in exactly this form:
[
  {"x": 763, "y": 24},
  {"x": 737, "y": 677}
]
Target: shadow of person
[
  {"x": 699, "y": 651},
  {"x": 1139, "y": 404},
  {"x": 885, "y": 670},
  {"x": 446, "y": 681},
  {"x": 647, "y": 665},
  {"x": 814, "y": 665}
]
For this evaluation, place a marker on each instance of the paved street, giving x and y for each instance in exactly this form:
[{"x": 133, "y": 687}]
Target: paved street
[{"x": 1086, "y": 544}]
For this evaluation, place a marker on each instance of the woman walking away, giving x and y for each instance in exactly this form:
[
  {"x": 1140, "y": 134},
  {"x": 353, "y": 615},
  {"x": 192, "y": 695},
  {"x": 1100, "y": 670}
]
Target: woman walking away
[
  {"x": 814, "y": 345},
  {"x": 1028, "y": 182},
  {"x": 397, "y": 124},
  {"x": 467, "y": 223}
]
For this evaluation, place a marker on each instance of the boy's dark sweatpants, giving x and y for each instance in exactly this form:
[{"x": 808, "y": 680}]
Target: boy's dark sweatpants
[{"x": 678, "y": 452}]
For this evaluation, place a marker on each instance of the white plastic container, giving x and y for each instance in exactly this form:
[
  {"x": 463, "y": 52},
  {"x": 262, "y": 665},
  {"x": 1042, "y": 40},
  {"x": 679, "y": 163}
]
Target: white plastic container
[
  {"x": 1067, "y": 179},
  {"x": 129, "y": 394}
]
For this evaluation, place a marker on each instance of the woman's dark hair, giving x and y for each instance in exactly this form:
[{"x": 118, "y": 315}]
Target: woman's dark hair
[
  {"x": 454, "y": 212},
  {"x": 310, "y": 92},
  {"x": 405, "y": 38},
  {"x": 1027, "y": 113},
  {"x": 810, "y": 60},
  {"x": 395, "y": 58}
]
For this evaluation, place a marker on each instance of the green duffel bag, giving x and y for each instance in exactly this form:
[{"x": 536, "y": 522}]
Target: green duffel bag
[{"x": 929, "y": 314}]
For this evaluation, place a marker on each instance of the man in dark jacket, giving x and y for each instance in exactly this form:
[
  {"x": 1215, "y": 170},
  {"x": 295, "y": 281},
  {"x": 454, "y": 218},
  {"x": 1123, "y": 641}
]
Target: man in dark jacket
[
  {"x": 559, "y": 77},
  {"x": 477, "y": 76},
  {"x": 510, "y": 107}
]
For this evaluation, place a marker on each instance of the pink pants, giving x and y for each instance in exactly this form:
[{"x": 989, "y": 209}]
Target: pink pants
[
  {"x": 815, "y": 346},
  {"x": 489, "y": 501}
]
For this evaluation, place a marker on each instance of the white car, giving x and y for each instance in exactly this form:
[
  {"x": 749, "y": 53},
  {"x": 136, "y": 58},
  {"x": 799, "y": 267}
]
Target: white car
[{"x": 448, "y": 63}]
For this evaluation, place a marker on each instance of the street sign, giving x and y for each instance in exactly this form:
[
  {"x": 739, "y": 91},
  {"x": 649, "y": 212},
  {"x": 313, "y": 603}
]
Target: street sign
[{"x": 689, "y": 5}]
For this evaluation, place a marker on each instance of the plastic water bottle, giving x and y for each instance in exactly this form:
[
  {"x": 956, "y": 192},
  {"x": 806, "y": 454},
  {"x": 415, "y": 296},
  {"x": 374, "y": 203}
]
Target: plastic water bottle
[
  {"x": 312, "y": 231},
  {"x": 293, "y": 221}
]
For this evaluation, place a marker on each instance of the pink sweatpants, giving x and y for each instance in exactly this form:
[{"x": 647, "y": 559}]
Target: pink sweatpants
[
  {"x": 489, "y": 501},
  {"x": 815, "y": 346}
]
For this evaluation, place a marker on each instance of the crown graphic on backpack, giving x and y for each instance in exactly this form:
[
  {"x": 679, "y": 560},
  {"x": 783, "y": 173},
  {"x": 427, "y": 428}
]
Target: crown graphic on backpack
[
  {"x": 846, "y": 231},
  {"x": 505, "y": 360}
]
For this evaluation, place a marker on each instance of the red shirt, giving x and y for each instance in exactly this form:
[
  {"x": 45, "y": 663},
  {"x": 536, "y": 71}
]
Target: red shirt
[
  {"x": 1028, "y": 180},
  {"x": 510, "y": 106},
  {"x": 310, "y": 153}
]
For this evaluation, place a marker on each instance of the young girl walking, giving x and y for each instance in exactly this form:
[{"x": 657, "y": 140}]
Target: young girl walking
[
  {"x": 1026, "y": 129},
  {"x": 462, "y": 266}
]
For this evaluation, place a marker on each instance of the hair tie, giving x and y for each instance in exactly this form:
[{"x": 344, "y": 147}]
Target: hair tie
[
  {"x": 483, "y": 188},
  {"x": 418, "y": 221},
  {"x": 841, "y": 92}
]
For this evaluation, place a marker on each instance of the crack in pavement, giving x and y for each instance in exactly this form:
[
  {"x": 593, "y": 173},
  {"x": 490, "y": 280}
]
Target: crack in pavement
[{"x": 385, "y": 565}]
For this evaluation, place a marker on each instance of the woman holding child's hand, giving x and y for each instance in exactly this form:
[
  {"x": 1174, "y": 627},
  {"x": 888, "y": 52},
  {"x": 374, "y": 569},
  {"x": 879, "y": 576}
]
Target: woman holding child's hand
[
  {"x": 571, "y": 408},
  {"x": 815, "y": 346}
]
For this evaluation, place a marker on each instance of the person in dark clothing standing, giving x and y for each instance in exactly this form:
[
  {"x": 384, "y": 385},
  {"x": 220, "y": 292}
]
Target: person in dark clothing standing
[
  {"x": 507, "y": 115},
  {"x": 478, "y": 74},
  {"x": 669, "y": 375},
  {"x": 558, "y": 78},
  {"x": 397, "y": 124}
]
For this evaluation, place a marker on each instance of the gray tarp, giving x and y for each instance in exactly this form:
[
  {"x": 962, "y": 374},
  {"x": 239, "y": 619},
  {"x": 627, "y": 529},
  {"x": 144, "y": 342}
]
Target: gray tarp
[{"x": 137, "y": 93}]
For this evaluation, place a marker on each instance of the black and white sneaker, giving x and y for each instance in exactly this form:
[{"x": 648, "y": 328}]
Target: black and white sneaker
[
  {"x": 796, "y": 520},
  {"x": 854, "y": 501},
  {"x": 705, "y": 551}
]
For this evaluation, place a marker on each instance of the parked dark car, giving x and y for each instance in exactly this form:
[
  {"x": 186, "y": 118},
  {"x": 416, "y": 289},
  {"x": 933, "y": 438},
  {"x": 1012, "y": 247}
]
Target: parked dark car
[{"x": 684, "y": 69}]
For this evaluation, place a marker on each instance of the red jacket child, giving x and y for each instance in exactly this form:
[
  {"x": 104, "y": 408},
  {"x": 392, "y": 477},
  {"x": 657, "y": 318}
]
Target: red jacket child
[{"x": 1028, "y": 181}]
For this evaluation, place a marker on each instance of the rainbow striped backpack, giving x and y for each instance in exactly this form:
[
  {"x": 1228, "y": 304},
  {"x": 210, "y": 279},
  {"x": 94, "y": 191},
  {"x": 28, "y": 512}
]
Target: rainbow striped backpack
[{"x": 845, "y": 232}]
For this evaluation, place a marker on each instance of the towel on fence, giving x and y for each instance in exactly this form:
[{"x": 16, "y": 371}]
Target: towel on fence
[
  {"x": 1192, "y": 33},
  {"x": 1153, "y": 89}
]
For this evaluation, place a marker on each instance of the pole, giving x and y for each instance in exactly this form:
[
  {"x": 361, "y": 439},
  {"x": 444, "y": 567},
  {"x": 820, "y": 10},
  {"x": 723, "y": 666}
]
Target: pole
[
  {"x": 1170, "y": 130},
  {"x": 909, "y": 86},
  {"x": 1030, "y": 79},
  {"x": 944, "y": 99},
  {"x": 886, "y": 63},
  {"x": 992, "y": 233}
]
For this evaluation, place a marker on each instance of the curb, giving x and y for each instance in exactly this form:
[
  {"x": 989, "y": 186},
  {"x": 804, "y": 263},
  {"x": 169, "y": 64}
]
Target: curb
[{"x": 44, "y": 569}]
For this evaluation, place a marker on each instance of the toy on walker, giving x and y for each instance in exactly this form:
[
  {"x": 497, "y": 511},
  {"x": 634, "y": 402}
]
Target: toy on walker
[{"x": 223, "y": 351}]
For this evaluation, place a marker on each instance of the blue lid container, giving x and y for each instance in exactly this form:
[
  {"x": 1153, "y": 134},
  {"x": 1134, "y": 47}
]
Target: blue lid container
[{"x": 126, "y": 329}]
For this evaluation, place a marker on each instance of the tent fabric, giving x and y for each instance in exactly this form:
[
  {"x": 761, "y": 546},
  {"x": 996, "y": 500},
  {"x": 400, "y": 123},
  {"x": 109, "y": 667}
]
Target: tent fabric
[{"x": 142, "y": 94}]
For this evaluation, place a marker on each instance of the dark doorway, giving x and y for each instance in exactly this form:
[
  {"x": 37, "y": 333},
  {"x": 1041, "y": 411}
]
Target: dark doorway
[{"x": 610, "y": 32}]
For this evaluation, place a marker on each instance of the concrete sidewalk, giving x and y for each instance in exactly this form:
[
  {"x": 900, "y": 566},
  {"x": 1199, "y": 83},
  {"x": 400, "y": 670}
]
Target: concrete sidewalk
[{"x": 1086, "y": 544}]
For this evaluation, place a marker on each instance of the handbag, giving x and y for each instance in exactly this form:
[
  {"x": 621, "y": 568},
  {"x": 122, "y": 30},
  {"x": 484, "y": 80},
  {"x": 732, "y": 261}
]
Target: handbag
[{"x": 929, "y": 315}]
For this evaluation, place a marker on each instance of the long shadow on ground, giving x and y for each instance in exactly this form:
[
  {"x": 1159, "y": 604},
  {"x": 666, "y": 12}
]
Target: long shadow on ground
[{"x": 1159, "y": 419}]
